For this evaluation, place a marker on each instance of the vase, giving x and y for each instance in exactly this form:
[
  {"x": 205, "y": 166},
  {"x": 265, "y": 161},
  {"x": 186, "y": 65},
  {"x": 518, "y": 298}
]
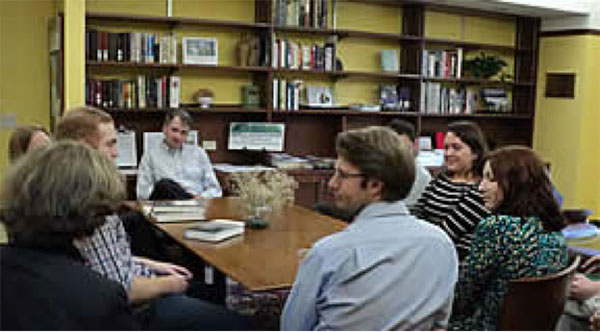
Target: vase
[{"x": 257, "y": 216}]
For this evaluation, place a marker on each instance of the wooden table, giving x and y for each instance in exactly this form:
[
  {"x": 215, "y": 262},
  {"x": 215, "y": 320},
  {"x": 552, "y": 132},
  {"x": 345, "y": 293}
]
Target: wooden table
[{"x": 262, "y": 259}]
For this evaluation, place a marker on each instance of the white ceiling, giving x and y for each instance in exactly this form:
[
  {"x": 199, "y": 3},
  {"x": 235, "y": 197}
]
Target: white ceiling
[{"x": 538, "y": 8}]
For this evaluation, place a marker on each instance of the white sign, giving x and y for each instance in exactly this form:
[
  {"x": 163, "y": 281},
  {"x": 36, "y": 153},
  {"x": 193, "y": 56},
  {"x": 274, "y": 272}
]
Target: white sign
[
  {"x": 126, "y": 149},
  {"x": 199, "y": 51},
  {"x": 256, "y": 136}
]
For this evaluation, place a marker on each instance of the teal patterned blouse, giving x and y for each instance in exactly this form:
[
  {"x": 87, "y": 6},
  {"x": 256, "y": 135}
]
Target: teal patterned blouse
[{"x": 504, "y": 248}]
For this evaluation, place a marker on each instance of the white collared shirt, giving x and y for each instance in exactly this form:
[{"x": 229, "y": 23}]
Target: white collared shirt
[{"x": 189, "y": 166}]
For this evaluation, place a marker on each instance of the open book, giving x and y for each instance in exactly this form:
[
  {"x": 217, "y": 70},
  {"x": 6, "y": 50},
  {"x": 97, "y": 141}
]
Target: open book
[{"x": 214, "y": 230}]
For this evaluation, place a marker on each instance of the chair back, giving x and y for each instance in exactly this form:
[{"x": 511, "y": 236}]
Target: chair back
[{"x": 536, "y": 303}]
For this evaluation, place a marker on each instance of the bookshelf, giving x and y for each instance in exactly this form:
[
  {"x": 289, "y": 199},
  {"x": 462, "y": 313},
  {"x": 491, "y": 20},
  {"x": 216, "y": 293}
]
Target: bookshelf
[{"x": 312, "y": 131}]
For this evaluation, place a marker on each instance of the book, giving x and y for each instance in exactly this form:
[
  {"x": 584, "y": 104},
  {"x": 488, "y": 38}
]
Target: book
[
  {"x": 389, "y": 61},
  {"x": 215, "y": 230},
  {"x": 175, "y": 211}
]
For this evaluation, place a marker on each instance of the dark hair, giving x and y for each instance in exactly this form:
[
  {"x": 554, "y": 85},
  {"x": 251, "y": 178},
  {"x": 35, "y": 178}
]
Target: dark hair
[
  {"x": 379, "y": 153},
  {"x": 81, "y": 124},
  {"x": 526, "y": 186},
  {"x": 64, "y": 190},
  {"x": 181, "y": 114},
  {"x": 470, "y": 134},
  {"x": 20, "y": 139},
  {"x": 403, "y": 127}
]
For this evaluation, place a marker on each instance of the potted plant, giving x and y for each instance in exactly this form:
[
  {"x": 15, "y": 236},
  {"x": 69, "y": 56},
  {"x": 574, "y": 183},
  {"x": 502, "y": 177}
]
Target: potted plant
[
  {"x": 262, "y": 193},
  {"x": 484, "y": 65}
]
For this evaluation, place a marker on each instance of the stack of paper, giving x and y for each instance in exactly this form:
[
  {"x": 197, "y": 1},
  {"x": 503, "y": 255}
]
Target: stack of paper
[{"x": 175, "y": 211}]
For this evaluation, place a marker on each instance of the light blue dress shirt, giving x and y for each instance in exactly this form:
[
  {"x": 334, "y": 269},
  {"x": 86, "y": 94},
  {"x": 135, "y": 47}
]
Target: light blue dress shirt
[
  {"x": 188, "y": 166},
  {"x": 386, "y": 271}
]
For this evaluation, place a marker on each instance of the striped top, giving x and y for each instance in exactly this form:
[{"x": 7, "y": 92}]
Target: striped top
[{"x": 455, "y": 207}]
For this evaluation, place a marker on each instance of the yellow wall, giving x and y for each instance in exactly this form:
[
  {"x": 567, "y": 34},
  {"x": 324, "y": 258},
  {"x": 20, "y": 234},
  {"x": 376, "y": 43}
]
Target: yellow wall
[
  {"x": 24, "y": 68},
  {"x": 74, "y": 53},
  {"x": 567, "y": 130}
]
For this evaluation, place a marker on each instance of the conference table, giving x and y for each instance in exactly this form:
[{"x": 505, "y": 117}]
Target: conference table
[{"x": 260, "y": 259}]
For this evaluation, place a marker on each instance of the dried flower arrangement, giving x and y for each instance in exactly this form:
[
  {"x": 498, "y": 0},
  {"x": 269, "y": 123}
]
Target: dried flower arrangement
[{"x": 263, "y": 192}]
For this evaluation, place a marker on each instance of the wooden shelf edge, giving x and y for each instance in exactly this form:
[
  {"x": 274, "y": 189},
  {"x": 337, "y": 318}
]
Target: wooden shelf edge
[
  {"x": 469, "y": 45},
  {"x": 192, "y": 109},
  {"x": 128, "y": 64},
  {"x": 341, "y": 112},
  {"x": 175, "y": 20},
  {"x": 507, "y": 116},
  {"x": 346, "y": 73},
  {"x": 116, "y": 64},
  {"x": 475, "y": 81}
]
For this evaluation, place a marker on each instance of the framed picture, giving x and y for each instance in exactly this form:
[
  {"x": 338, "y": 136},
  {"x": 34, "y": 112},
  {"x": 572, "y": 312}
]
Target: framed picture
[{"x": 200, "y": 51}]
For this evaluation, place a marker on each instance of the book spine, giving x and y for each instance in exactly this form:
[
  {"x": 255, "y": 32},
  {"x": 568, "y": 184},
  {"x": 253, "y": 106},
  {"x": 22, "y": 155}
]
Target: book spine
[
  {"x": 175, "y": 84},
  {"x": 275, "y": 90}
]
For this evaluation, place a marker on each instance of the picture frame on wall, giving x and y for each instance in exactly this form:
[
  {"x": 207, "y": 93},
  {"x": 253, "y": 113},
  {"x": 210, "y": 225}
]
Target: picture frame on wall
[{"x": 200, "y": 51}]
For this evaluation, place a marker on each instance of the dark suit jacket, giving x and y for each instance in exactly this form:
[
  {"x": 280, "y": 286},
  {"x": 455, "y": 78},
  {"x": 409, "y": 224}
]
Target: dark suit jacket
[{"x": 53, "y": 290}]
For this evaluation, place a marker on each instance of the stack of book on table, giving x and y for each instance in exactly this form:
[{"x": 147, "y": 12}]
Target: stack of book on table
[
  {"x": 215, "y": 230},
  {"x": 175, "y": 211}
]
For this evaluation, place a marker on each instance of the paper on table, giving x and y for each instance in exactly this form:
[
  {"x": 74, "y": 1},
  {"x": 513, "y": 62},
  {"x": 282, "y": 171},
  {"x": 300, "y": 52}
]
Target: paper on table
[{"x": 126, "y": 149}]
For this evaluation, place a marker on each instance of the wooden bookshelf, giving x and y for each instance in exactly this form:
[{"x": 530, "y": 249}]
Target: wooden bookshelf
[{"x": 313, "y": 131}]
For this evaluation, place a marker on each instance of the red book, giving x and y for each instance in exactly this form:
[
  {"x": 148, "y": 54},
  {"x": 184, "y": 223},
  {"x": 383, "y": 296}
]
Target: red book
[{"x": 439, "y": 139}]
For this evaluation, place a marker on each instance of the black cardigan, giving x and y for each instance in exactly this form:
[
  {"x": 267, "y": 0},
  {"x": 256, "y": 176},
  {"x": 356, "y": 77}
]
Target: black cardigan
[{"x": 51, "y": 289}]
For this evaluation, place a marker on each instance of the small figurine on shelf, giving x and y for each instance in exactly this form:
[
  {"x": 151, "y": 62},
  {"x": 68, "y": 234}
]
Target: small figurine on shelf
[
  {"x": 204, "y": 97},
  {"x": 243, "y": 49},
  {"x": 247, "y": 50}
]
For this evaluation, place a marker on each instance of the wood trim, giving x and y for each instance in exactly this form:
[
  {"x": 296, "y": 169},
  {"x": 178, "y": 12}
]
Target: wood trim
[{"x": 574, "y": 32}]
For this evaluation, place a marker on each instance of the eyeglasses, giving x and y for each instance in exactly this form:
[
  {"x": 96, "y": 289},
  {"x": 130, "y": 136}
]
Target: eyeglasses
[{"x": 343, "y": 175}]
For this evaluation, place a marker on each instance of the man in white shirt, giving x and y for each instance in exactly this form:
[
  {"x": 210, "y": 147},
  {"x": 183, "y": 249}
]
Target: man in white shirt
[
  {"x": 175, "y": 170},
  {"x": 387, "y": 270}
]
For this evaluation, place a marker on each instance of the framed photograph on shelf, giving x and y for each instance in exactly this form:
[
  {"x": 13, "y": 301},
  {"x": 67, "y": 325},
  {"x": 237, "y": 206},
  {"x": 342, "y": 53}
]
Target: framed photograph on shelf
[{"x": 199, "y": 51}]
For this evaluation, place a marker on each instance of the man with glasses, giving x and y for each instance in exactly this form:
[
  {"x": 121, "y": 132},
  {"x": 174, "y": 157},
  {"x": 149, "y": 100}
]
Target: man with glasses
[{"x": 387, "y": 270}]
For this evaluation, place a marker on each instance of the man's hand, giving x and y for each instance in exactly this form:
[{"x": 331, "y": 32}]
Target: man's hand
[
  {"x": 166, "y": 268},
  {"x": 173, "y": 284},
  {"x": 583, "y": 288}
]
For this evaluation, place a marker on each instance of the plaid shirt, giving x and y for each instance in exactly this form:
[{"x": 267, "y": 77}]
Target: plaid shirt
[{"x": 108, "y": 252}]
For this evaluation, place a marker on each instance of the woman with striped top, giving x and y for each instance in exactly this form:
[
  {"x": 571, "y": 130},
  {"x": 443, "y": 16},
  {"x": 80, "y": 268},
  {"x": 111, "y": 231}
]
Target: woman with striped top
[{"x": 452, "y": 201}]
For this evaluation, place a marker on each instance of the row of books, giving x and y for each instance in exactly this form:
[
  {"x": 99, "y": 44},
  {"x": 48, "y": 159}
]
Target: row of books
[
  {"x": 143, "y": 92},
  {"x": 290, "y": 54},
  {"x": 300, "y": 13},
  {"x": 439, "y": 99},
  {"x": 442, "y": 63},
  {"x": 286, "y": 94},
  {"x": 142, "y": 47}
]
